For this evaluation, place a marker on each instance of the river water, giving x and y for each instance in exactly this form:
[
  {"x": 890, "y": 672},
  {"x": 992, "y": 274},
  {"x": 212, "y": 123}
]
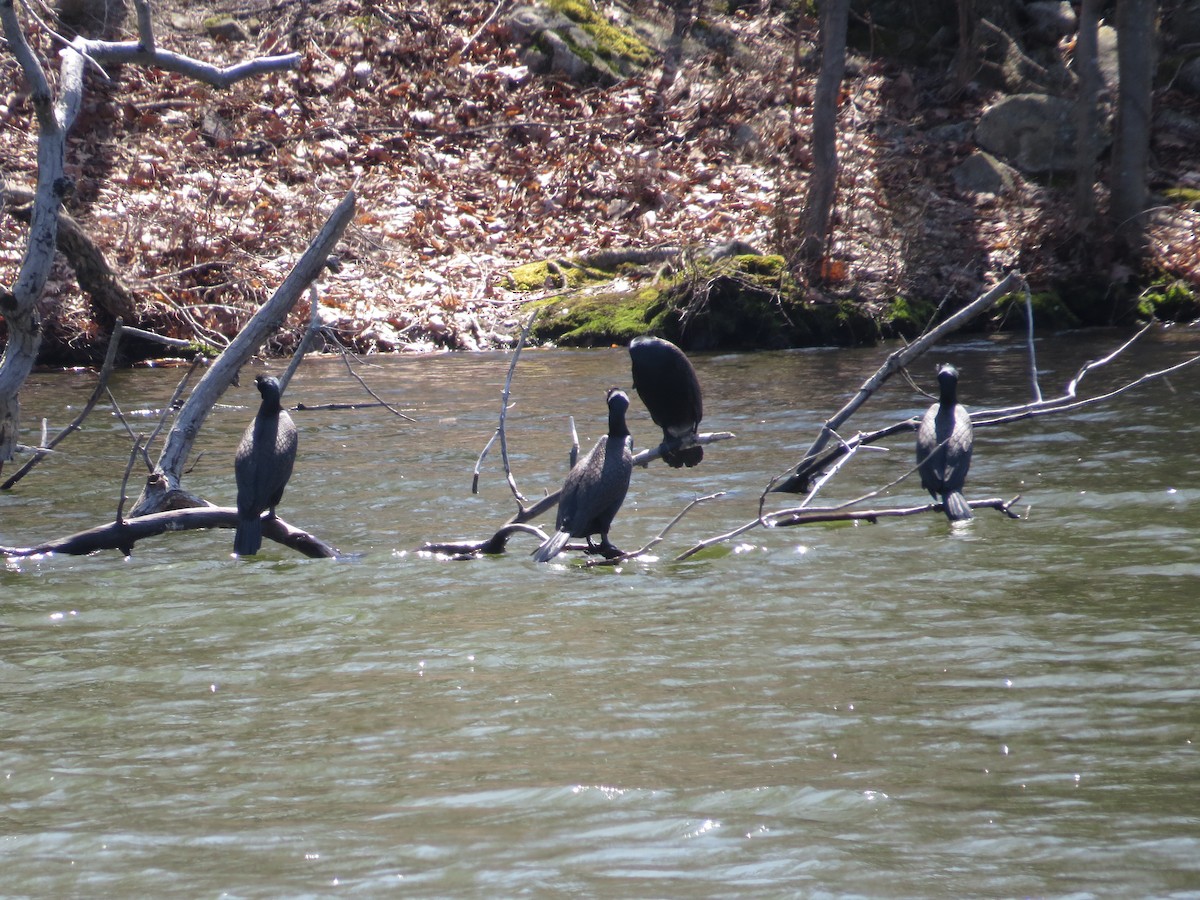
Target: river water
[{"x": 1010, "y": 708}]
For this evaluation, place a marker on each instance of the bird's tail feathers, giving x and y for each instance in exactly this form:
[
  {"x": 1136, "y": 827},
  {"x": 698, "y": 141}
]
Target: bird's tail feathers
[
  {"x": 957, "y": 507},
  {"x": 248, "y": 538},
  {"x": 551, "y": 547}
]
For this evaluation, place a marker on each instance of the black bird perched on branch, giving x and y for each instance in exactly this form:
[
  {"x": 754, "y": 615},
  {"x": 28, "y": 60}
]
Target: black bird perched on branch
[
  {"x": 944, "y": 444},
  {"x": 667, "y": 383},
  {"x": 595, "y": 488},
  {"x": 263, "y": 465}
]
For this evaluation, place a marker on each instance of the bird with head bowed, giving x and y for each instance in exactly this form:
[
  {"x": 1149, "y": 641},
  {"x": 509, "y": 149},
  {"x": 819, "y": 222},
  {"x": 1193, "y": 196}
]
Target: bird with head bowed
[{"x": 595, "y": 488}]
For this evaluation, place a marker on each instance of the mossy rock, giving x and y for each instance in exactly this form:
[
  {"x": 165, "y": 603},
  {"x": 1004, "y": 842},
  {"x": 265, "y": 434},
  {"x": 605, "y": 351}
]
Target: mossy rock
[
  {"x": 600, "y": 318},
  {"x": 1173, "y": 302},
  {"x": 745, "y": 302},
  {"x": 554, "y": 275},
  {"x": 614, "y": 45}
]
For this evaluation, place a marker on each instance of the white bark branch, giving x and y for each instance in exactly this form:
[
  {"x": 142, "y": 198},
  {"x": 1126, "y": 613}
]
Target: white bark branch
[
  {"x": 270, "y": 316},
  {"x": 55, "y": 116}
]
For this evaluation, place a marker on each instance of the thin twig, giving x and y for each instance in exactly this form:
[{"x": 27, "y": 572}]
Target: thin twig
[
  {"x": 718, "y": 539},
  {"x": 133, "y": 455},
  {"x": 310, "y": 334},
  {"x": 483, "y": 27},
  {"x": 46, "y": 447},
  {"x": 500, "y": 430},
  {"x": 658, "y": 538},
  {"x": 366, "y": 387},
  {"x": 172, "y": 405},
  {"x": 1033, "y": 370}
]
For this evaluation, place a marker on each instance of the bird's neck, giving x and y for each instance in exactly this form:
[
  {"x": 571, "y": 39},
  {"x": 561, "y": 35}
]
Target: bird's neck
[{"x": 616, "y": 425}]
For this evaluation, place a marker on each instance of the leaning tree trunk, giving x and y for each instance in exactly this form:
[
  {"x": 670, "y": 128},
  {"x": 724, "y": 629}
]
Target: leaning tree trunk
[
  {"x": 822, "y": 184},
  {"x": 55, "y": 117},
  {"x": 1131, "y": 141},
  {"x": 19, "y": 305}
]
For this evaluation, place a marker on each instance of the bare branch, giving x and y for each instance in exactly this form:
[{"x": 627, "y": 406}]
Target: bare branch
[
  {"x": 124, "y": 534},
  {"x": 110, "y": 358},
  {"x": 797, "y": 480},
  {"x": 811, "y": 516},
  {"x": 133, "y": 455},
  {"x": 643, "y": 458},
  {"x": 363, "y": 384},
  {"x": 500, "y": 432},
  {"x": 657, "y": 539},
  {"x": 492, "y": 546}
]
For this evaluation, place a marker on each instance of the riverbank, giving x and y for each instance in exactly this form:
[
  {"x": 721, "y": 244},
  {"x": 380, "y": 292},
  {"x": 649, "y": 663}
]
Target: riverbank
[{"x": 469, "y": 165}]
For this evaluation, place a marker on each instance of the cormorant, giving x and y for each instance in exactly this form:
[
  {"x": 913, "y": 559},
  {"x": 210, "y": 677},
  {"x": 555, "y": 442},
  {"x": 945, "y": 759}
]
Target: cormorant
[
  {"x": 595, "y": 488},
  {"x": 263, "y": 465},
  {"x": 667, "y": 383},
  {"x": 944, "y": 443}
]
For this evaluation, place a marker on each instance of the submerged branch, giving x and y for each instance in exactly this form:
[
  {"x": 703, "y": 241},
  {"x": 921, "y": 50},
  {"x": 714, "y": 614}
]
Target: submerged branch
[
  {"x": 786, "y": 518},
  {"x": 124, "y": 533}
]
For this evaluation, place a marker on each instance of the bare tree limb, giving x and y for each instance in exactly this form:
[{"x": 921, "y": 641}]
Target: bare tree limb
[
  {"x": 221, "y": 373},
  {"x": 657, "y": 539},
  {"x": 492, "y": 546},
  {"x": 124, "y": 534},
  {"x": 500, "y": 432},
  {"x": 787, "y": 518},
  {"x": 133, "y": 455},
  {"x": 796, "y": 481}
]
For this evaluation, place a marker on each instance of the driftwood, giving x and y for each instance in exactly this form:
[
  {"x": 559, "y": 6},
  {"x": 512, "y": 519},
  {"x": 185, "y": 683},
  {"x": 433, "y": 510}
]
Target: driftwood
[
  {"x": 123, "y": 533},
  {"x": 164, "y": 505},
  {"x": 165, "y": 480}
]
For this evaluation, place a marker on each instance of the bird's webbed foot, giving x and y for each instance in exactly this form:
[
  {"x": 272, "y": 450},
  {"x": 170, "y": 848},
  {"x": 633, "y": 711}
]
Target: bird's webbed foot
[{"x": 606, "y": 548}]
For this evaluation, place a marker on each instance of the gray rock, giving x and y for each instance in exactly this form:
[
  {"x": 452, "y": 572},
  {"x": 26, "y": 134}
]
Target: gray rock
[
  {"x": 1176, "y": 123},
  {"x": 950, "y": 133},
  {"x": 982, "y": 173},
  {"x": 225, "y": 28},
  {"x": 1034, "y": 132},
  {"x": 557, "y": 44}
]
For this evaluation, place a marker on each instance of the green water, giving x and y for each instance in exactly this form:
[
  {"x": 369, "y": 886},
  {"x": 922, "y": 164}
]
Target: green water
[{"x": 903, "y": 709}]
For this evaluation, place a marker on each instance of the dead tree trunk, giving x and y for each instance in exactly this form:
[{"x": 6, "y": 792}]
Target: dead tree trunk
[
  {"x": 1131, "y": 141},
  {"x": 822, "y": 184}
]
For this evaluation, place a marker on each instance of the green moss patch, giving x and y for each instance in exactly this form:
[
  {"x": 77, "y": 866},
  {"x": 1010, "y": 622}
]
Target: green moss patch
[
  {"x": 612, "y": 43},
  {"x": 1173, "y": 302},
  {"x": 741, "y": 302}
]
